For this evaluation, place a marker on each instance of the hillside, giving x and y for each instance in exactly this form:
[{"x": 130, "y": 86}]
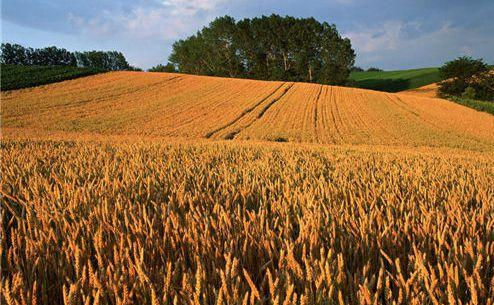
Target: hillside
[
  {"x": 424, "y": 91},
  {"x": 395, "y": 81},
  {"x": 175, "y": 105},
  {"x": 134, "y": 188},
  {"x": 18, "y": 76}
]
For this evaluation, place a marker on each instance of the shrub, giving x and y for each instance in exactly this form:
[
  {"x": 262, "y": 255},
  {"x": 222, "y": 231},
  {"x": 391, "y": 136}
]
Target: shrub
[
  {"x": 374, "y": 69},
  {"x": 462, "y": 68},
  {"x": 357, "y": 69},
  {"x": 463, "y": 73},
  {"x": 454, "y": 87},
  {"x": 170, "y": 68},
  {"x": 484, "y": 86},
  {"x": 468, "y": 93}
]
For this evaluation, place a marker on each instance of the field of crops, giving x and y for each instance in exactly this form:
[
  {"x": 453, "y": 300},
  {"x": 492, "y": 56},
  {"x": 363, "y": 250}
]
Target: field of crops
[
  {"x": 395, "y": 81},
  {"x": 175, "y": 105},
  {"x": 153, "y": 188},
  {"x": 18, "y": 76},
  {"x": 127, "y": 221},
  {"x": 424, "y": 91}
]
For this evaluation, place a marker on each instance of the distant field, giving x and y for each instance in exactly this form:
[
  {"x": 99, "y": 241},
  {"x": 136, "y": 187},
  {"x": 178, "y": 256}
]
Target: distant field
[
  {"x": 395, "y": 81},
  {"x": 18, "y": 77},
  {"x": 178, "y": 105}
]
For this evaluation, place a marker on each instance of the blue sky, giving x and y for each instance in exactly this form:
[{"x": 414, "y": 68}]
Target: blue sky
[{"x": 390, "y": 34}]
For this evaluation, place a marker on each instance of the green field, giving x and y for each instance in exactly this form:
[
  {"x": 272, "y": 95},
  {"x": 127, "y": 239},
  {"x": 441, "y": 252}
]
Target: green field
[
  {"x": 18, "y": 77},
  {"x": 395, "y": 81}
]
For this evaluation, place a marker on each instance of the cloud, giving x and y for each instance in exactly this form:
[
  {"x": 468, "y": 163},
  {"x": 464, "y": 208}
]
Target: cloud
[
  {"x": 191, "y": 7},
  {"x": 146, "y": 31},
  {"x": 170, "y": 19},
  {"x": 395, "y": 43},
  {"x": 388, "y": 36}
]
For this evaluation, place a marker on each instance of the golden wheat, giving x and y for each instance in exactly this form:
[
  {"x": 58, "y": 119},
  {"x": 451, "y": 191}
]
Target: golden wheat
[
  {"x": 90, "y": 221},
  {"x": 176, "y": 105}
]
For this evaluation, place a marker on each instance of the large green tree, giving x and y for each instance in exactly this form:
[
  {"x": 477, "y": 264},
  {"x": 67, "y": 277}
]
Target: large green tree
[
  {"x": 269, "y": 48},
  {"x": 467, "y": 77},
  {"x": 109, "y": 60}
]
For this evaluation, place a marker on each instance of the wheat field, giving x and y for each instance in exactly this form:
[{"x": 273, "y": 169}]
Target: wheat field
[
  {"x": 177, "y": 105},
  {"x": 424, "y": 91},
  {"x": 170, "y": 189}
]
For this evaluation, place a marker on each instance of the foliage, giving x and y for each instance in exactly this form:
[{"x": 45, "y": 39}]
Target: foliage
[
  {"x": 165, "y": 222},
  {"x": 483, "y": 106},
  {"x": 169, "y": 67},
  {"x": 463, "y": 73},
  {"x": 462, "y": 68},
  {"x": 452, "y": 87},
  {"x": 373, "y": 69},
  {"x": 395, "y": 81},
  {"x": 110, "y": 60},
  {"x": 267, "y": 48},
  {"x": 135, "y": 69},
  {"x": 52, "y": 56},
  {"x": 18, "y": 76},
  {"x": 14, "y": 54},
  {"x": 356, "y": 69},
  {"x": 469, "y": 93},
  {"x": 483, "y": 83}
]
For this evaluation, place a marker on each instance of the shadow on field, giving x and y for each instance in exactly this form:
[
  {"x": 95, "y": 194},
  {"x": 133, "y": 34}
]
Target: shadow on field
[{"x": 387, "y": 85}]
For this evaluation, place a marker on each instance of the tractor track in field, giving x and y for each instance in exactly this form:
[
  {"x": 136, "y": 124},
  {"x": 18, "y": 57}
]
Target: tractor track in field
[
  {"x": 244, "y": 113},
  {"x": 232, "y": 135},
  {"x": 315, "y": 112},
  {"x": 178, "y": 105},
  {"x": 333, "y": 101}
]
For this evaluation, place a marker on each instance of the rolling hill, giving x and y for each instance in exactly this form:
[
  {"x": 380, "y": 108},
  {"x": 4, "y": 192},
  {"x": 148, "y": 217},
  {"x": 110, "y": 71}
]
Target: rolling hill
[
  {"x": 424, "y": 91},
  {"x": 176, "y": 105},
  {"x": 395, "y": 81}
]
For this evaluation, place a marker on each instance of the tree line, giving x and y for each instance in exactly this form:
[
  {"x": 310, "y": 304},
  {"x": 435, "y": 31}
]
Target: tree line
[
  {"x": 371, "y": 69},
  {"x": 267, "y": 48},
  {"x": 467, "y": 78},
  {"x": 15, "y": 54}
]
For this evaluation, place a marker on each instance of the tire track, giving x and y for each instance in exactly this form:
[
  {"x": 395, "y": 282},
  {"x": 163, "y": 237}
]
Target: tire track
[
  {"x": 243, "y": 114},
  {"x": 274, "y": 101},
  {"x": 325, "y": 133},
  {"x": 232, "y": 135},
  {"x": 315, "y": 113},
  {"x": 333, "y": 114}
]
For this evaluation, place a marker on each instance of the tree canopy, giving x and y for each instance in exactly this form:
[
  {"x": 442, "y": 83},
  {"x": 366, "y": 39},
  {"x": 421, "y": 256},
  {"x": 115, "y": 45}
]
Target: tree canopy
[
  {"x": 170, "y": 68},
  {"x": 463, "y": 68},
  {"x": 467, "y": 77},
  {"x": 267, "y": 48},
  {"x": 16, "y": 54}
]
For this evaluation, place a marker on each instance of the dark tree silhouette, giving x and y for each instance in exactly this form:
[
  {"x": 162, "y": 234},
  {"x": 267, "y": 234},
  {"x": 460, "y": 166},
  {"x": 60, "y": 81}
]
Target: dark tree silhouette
[{"x": 268, "y": 48}]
